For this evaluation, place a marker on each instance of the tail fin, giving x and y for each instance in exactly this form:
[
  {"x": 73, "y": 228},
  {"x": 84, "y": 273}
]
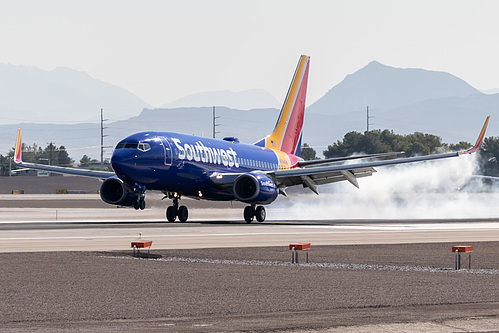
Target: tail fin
[
  {"x": 18, "y": 152},
  {"x": 288, "y": 130}
]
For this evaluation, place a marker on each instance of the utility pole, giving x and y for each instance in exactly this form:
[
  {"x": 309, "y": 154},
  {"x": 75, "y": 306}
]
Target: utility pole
[
  {"x": 51, "y": 152},
  {"x": 214, "y": 123},
  {"x": 368, "y": 118},
  {"x": 102, "y": 128}
]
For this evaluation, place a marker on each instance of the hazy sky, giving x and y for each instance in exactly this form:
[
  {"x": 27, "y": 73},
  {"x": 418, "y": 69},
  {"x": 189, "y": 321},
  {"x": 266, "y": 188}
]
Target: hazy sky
[{"x": 164, "y": 50}]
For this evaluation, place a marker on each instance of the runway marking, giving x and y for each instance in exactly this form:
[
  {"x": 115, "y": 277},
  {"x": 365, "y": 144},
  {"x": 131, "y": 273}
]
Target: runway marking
[
  {"x": 410, "y": 227},
  {"x": 320, "y": 230},
  {"x": 89, "y": 221},
  {"x": 171, "y": 236}
]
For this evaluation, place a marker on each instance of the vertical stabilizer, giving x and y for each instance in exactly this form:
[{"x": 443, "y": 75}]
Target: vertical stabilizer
[
  {"x": 19, "y": 147},
  {"x": 288, "y": 130}
]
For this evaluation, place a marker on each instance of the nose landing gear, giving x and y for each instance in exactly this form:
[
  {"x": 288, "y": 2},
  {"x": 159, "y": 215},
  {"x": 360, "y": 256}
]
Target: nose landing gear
[{"x": 174, "y": 211}]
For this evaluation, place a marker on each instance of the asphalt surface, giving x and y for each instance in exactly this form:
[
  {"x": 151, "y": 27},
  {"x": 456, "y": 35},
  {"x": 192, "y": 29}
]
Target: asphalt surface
[
  {"x": 247, "y": 289},
  {"x": 248, "y": 286}
]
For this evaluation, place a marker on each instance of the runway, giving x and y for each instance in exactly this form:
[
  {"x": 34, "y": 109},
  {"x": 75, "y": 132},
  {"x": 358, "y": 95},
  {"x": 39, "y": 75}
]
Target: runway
[
  {"x": 222, "y": 274},
  {"x": 118, "y": 235}
]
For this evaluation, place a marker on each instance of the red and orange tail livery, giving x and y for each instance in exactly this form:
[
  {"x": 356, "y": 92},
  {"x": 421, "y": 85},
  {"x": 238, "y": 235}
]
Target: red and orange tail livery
[
  {"x": 19, "y": 148},
  {"x": 288, "y": 130}
]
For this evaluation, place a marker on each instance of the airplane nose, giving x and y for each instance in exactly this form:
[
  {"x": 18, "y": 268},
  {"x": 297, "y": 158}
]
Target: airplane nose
[{"x": 122, "y": 160}]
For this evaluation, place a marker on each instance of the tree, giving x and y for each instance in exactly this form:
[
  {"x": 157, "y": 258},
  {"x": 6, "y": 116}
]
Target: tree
[
  {"x": 63, "y": 157},
  {"x": 85, "y": 161},
  {"x": 50, "y": 155},
  {"x": 461, "y": 146},
  {"x": 308, "y": 153},
  {"x": 422, "y": 144},
  {"x": 386, "y": 141},
  {"x": 350, "y": 144},
  {"x": 5, "y": 165},
  {"x": 489, "y": 157}
]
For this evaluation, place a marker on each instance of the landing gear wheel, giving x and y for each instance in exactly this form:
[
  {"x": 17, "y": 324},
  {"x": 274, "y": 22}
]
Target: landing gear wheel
[
  {"x": 171, "y": 214},
  {"x": 260, "y": 213},
  {"x": 140, "y": 203},
  {"x": 249, "y": 213},
  {"x": 183, "y": 214}
]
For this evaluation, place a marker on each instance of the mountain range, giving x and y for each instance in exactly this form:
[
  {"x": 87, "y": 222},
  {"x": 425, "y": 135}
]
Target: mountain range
[
  {"x": 384, "y": 87},
  {"x": 60, "y": 95},
  {"x": 402, "y": 100},
  {"x": 242, "y": 100}
]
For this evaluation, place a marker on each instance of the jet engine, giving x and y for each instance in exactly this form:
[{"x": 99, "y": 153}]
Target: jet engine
[
  {"x": 255, "y": 188},
  {"x": 115, "y": 192}
]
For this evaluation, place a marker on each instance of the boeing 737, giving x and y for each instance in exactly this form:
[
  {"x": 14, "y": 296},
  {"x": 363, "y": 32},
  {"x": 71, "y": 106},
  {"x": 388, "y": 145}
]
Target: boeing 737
[{"x": 224, "y": 170}]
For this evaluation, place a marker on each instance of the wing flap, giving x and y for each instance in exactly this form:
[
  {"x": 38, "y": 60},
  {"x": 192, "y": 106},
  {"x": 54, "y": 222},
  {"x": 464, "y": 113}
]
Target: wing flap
[{"x": 322, "y": 176}]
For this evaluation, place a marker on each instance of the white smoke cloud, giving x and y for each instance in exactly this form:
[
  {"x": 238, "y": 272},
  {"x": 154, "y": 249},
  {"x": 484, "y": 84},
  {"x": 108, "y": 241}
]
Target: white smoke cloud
[{"x": 431, "y": 189}]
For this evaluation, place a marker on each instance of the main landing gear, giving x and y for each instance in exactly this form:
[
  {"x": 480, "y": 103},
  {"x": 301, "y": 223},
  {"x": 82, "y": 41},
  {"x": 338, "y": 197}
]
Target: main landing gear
[
  {"x": 251, "y": 212},
  {"x": 174, "y": 211},
  {"x": 141, "y": 202}
]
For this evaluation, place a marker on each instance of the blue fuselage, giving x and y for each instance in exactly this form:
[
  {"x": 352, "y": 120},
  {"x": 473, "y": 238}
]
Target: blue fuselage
[{"x": 172, "y": 162}]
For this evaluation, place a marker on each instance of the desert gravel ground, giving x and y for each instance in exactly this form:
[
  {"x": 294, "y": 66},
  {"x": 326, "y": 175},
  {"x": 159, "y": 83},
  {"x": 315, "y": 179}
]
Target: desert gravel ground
[{"x": 343, "y": 288}]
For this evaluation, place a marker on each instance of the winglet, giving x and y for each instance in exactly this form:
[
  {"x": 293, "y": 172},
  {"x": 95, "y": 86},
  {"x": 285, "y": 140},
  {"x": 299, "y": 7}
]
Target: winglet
[
  {"x": 18, "y": 152},
  {"x": 479, "y": 140}
]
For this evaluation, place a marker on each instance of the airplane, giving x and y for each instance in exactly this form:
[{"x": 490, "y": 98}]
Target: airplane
[{"x": 182, "y": 165}]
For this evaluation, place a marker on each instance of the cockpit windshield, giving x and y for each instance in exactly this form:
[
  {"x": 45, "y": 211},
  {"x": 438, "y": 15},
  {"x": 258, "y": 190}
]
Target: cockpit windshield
[{"x": 143, "y": 146}]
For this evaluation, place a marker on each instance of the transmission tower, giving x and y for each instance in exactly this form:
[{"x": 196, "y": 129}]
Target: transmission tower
[
  {"x": 102, "y": 128},
  {"x": 214, "y": 123}
]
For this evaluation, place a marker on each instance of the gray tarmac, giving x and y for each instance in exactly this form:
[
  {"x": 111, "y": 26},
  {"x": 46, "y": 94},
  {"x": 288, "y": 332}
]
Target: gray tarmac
[
  {"x": 257, "y": 289},
  {"x": 223, "y": 275}
]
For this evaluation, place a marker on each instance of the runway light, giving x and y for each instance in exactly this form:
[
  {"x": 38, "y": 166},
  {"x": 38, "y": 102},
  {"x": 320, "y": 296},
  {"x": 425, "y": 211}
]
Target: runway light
[{"x": 200, "y": 194}]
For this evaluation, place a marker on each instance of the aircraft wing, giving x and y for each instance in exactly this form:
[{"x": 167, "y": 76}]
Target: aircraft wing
[
  {"x": 317, "y": 175},
  {"x": 340, "y": 159},
  {"x": 68, "y": 171},
  {"x": 57, "y": 169}
]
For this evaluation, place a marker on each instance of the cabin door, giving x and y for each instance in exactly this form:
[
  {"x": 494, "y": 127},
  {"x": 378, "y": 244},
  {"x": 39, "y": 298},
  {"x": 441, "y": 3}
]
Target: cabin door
[{"x": 167, "y": 147}]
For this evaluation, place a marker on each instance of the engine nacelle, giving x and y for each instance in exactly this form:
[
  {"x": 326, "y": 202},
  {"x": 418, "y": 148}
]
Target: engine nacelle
[
  {"x": 113, "y": 191},
  {"x": 255, "y": 188}
]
